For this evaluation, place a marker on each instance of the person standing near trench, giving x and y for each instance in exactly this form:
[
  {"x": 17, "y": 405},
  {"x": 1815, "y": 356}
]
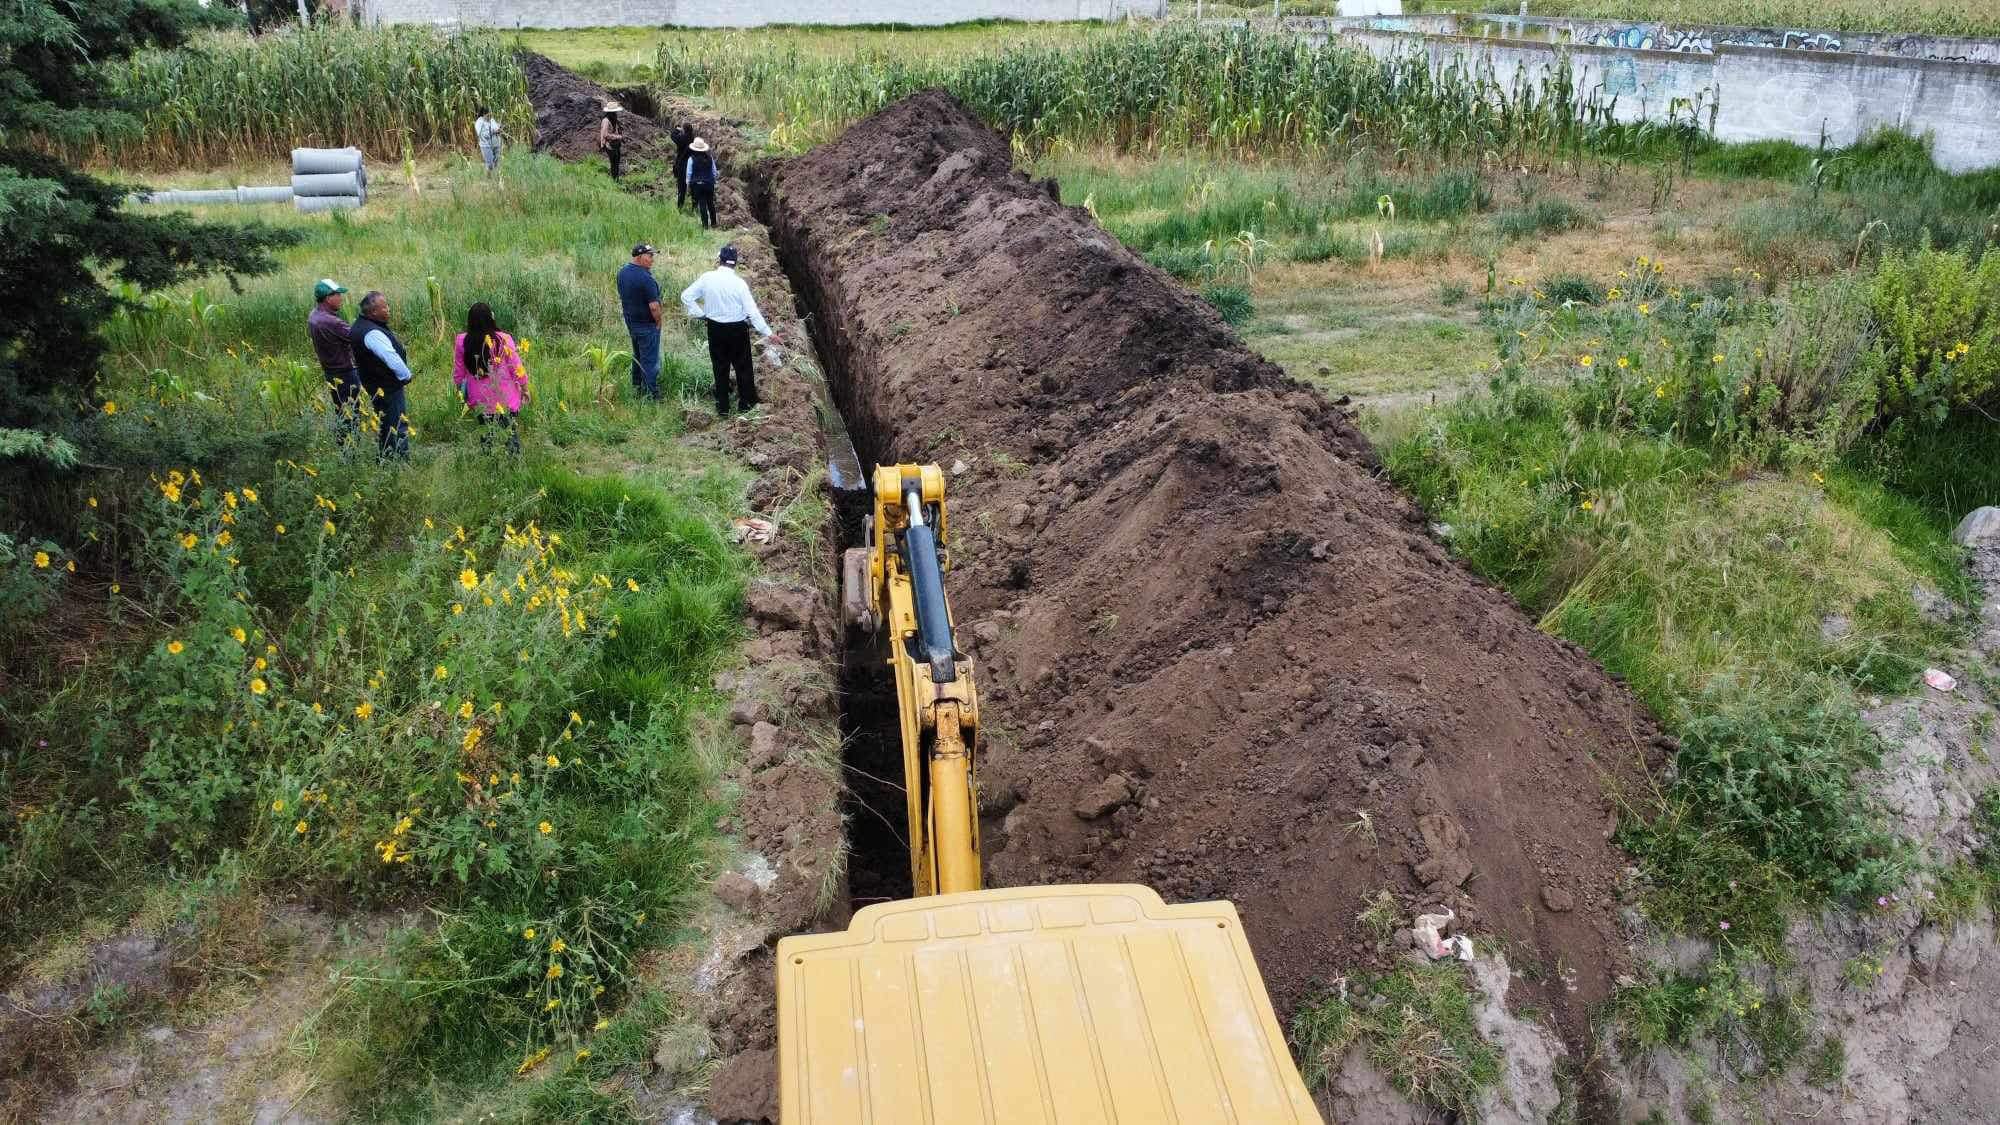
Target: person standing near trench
[
  {"x": 723, "y": 301},
  {"x": 335, "y": 350},
  {"x": 609, "y": 139},
  {"x": 683, "y": 136},
  {"x": 385, "y": 374},
  {"x": 639, "y": 300},
  {"x": 488, "y": 131},
  {"x": 701, "y": 181}
]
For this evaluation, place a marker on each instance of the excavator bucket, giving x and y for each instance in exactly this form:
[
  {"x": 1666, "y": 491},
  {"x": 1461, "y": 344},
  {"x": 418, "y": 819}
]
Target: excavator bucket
[{"x": 1076, "y": 1004}]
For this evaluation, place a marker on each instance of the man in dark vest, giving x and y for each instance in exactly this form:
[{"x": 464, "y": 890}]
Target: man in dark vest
[{"x": 385, "y": 373}]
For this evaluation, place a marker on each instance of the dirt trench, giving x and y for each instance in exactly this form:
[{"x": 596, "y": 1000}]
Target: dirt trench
[{"x": 1218, "y": 654}]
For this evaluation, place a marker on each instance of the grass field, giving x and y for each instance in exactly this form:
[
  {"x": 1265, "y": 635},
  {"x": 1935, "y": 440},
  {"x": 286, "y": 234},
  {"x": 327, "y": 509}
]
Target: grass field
[{"x": 471, "y": 682}]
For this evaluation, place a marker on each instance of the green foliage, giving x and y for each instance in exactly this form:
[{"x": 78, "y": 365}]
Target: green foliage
[
  {"x": 1939, "y": 317},
  {"x": 1761, "y": 1029},
  {"x": 1172, "y": 86},
  {"x": 1931, "y": 17},
  {"x": 228, "y": 98},
  {"x": 1541, "y": 217},
  {"x": 1416, "y": 1025},
  {"x": 1232, "y": 301}
]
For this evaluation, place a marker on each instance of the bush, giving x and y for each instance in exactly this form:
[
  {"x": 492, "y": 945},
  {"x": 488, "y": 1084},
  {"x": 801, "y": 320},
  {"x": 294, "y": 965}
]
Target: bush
[
  {"x": 1184, "y": 262},
  {"x": 1543, "y": 216},
  {"x": 1232, "y": 301},
  {"x": 1938, "y": 313}
]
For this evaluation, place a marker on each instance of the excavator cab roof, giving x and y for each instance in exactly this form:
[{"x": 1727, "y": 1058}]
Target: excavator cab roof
[{"x": 1033, "y": 1004}]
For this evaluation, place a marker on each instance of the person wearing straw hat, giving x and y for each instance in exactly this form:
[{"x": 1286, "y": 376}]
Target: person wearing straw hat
[
  {"x": 609, "y": 139},
  {"x": 335, "y": 349},
  {"x": 701, "y": 181}
]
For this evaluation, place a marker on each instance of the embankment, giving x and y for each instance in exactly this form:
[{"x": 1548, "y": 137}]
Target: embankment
[{"x": 1218, "y": 654}]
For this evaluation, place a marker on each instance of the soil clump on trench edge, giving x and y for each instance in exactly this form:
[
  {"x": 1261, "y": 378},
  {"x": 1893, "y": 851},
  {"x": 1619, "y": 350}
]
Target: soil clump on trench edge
[{"x": 1218, "y": 654}]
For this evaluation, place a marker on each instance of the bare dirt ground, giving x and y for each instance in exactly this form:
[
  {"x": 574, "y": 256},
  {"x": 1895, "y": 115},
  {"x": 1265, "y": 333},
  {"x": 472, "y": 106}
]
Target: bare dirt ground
[{"x": 1225, "y": 659}]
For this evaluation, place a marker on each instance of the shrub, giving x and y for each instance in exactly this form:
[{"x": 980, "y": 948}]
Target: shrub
[
  {"x": 1184, "y": 262},
  {"x": 1232, "y": 301},
  {"x": 1938, "y": 313},
  {"x": 1543, "y": 216}
]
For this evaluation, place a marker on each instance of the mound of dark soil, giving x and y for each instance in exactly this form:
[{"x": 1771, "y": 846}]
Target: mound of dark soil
[{"x": 1218, "y": 654}]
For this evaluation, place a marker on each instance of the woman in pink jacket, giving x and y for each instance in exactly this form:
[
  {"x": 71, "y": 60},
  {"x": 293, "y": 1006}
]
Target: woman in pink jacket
[{"x": 487, "y": 366}]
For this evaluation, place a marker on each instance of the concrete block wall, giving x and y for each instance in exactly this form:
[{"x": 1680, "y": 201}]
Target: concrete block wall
[
  {"x": 1756, "y": 93},
  {"x": 740, "y": 13}
]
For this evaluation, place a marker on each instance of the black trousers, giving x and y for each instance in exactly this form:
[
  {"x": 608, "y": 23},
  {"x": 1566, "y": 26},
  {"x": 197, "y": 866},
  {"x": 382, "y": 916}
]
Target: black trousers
[
  {"x": 615, "y": 152},
  {"x": 680, "y": 178},
  {"x": 729, "y": 346},
  {"x": 704, "y": 203}
]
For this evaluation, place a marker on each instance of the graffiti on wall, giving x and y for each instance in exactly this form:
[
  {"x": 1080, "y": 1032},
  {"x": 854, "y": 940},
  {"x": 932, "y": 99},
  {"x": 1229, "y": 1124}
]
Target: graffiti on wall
[{"x": 1654, "y": 37}]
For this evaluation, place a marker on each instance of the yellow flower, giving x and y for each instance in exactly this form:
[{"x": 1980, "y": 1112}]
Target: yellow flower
[
  {"x": 1584, "y": 361},
  {"x": 555, "y": 763},
  {"x": 582, "y": 1053},
  {"x": 640, "y": 918},
  {"x": 558, "y": 945},
  {"x": 250, "y": 494},
  {"x": 1645, "y": 309},
  {"x": 465, "y": 709},
  {"x": 528, "y": 934},
  {"x": 229, "y": 498},
  {"x": 552, "y": 1005},
  {"x": 457, "y": 608},
  {"x": 1716, "y": 358},
  {"x": 440, "y": 673},
  {"x": 188, "y": 541},
  {"x": 575, "y": 718},
  {"x": 1588, "y": 505},
  {"x": 278, "y": 805},
  {"x": 545, "y": 828},
  {"x": 631, "y": 585},
  {"x": 241, "y": 636},
  {"x": 1818, "y": 479},
  {"x": 1660, "y": 391},
  {"x": 281, "y": 529},
  {"x": 70, "y": 566},
  {"x": 300, "y": 828},
  {"x": 258, "y": 686},
  {"x": 110, "y": 408},
  {"x": 175, "y": 647},
  {"x": 1614, "y": 294},
  {"x": 555, "y": 972},
  {"x": 363, "y": 709},
  {"x": 468, "y": 578},
  {"x": 1623, "y": 363},
  {"x": 260, "y": 664},
  {"x": 222, "y": 540},
  {"x": 42, "y": 560},
  {"x": 601, "y": 1024},
  {"x": 471, "y": 739},
  {"x": 115, "y": 587},
  {"x": 327, "y": 526},
  {"x": 92, "y": 501}
]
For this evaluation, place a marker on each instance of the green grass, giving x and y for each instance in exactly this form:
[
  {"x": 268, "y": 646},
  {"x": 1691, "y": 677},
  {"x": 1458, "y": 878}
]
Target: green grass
[
  {"x": 1416, "y": 1025},
  {"x": 1932, "y": 17},
  {"x": 331, "y": 751}
]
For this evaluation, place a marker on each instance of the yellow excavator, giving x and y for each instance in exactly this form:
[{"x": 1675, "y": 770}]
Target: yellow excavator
[{"x": 1088, "y": 1003}]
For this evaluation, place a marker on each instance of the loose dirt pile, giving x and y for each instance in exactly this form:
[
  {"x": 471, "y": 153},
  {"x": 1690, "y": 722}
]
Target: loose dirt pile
[{"x": 1218, "y": 654}]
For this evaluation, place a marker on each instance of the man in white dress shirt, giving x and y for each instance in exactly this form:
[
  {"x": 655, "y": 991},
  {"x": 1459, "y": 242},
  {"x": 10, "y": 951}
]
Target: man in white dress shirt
[{"x": 723, "y": 301}]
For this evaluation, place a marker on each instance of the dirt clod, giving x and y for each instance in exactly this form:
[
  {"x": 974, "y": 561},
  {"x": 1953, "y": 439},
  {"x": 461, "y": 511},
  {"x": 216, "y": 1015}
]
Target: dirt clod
[{"x": 1110, "y": 793}]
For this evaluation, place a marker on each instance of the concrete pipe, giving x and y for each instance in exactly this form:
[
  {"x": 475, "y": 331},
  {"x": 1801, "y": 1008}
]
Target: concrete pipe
[
  {"x": 308, "y": 204},
  {"x": 280, "y": 193},
  {"x": 315, "y": 161},
  {"x": 329, "y": 183}
]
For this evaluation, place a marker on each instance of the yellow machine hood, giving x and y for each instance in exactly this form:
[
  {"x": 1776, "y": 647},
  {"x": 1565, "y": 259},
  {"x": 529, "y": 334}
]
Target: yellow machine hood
[{"x": 1037, "y": 1004}]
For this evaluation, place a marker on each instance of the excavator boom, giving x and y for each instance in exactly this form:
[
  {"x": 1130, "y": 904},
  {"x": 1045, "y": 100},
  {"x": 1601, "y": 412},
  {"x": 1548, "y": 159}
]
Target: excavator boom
[{"x": 1029, "y": 1004}]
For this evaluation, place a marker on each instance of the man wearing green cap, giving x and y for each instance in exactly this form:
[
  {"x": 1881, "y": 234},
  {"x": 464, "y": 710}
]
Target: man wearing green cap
[{"x": 335, "y": 350}]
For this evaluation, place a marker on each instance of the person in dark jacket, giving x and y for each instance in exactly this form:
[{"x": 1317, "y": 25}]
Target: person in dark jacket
[
  {"x": 385, "y": 374},
  {"x": 639, "y": 302},
  {"x": 611, "y": 139},
  {"x": 683, "y": 136},
  {"x": 328, "y": 332},
  {"x": 701, "y": 180}
]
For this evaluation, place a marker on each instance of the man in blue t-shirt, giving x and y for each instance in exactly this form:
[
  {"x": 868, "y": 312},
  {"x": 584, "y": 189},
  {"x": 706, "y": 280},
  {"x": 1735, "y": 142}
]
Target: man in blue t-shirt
[{"x": 639, "y": 297}]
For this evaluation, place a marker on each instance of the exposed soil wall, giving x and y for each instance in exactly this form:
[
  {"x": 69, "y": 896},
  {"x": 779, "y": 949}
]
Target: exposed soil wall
[{"x": 1218, "y": 655}]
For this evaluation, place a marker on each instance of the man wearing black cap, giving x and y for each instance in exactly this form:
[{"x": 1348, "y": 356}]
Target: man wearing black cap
[
  {"x": 720, "y": 298},
  {"x": 639, "y": 297}
]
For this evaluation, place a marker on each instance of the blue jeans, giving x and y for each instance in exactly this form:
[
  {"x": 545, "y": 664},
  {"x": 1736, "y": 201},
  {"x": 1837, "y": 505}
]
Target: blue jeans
[
  {"x": 491, "y": 155},
  {"x": 392, "y": 415},
  {"x": 645, "y": 359},
  {"x": 345, "y": 386}
]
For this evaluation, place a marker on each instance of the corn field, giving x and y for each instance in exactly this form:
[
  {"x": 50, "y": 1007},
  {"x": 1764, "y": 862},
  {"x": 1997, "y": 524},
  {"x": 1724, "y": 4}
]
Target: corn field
[
  {"x": 1178, "y": 87},
  {"x": 1928, "y": 17},
  {"x": 229, "y": 98}
]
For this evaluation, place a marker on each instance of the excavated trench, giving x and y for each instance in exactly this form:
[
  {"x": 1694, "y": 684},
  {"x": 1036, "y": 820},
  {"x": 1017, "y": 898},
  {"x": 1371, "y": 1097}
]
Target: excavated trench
[{"x": 1217, "y": 653}]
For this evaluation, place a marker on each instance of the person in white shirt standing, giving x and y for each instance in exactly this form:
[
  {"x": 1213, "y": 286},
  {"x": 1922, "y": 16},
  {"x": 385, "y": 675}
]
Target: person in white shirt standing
[
  {"x": 721, "y": 299},
  {"x": 488, "y": 130}
]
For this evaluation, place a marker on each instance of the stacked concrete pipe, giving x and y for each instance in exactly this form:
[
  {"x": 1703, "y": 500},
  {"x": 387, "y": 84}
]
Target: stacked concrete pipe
[{"x": 323, "y": 179}]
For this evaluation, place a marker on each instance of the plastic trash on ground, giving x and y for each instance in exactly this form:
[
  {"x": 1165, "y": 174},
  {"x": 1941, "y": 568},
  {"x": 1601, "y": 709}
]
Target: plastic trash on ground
[{"x": 1940, "y": 680}]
